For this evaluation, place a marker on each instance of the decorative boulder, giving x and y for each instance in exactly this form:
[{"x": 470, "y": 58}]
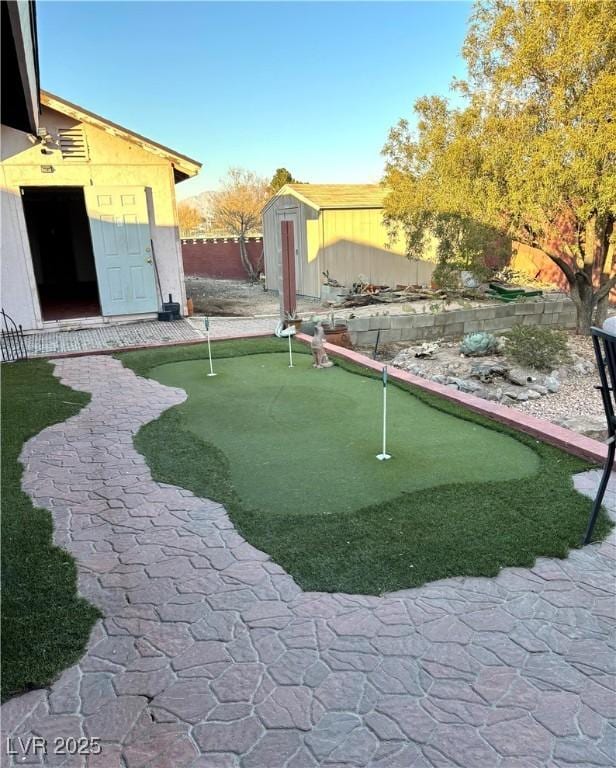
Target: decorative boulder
[
  {"x": 487, "y": 371},
  {"x": 521, "y": 376},
  {"x": 427, "y": 349}
]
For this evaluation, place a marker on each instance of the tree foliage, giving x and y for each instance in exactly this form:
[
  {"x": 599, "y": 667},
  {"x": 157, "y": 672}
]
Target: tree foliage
[
  {"x": 237, "y": 207},
  {"x": 280, "y": 178},
  {"x": 528, "y": 148},
  {"x": 189, "y": 218}
]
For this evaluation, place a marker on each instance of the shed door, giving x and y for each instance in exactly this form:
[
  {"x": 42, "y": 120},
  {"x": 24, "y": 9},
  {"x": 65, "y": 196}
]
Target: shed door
[
  {"x": 290, "y": 215},
  {"x": 289, "y": 286},
  {"x": 122, "y": 249}
]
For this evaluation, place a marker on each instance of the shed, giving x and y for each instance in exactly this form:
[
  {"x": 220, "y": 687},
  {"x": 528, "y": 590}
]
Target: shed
[
  {"x": 339, "y": 229},
  {"x": 89, "y": 222}
]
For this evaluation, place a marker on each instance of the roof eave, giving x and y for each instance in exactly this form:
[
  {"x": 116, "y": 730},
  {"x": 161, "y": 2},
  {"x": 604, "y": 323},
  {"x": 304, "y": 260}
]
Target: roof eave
[
  {"x": 288, "y": 190},
  {"x": 184, "y": 167},
  {"x": 347, "y": 207}
]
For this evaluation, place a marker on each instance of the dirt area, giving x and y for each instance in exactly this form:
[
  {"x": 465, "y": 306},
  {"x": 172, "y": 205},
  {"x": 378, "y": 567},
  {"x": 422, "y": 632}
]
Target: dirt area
[
  {"x": 576, "y": 404},
  {"x": 238, "y": 298}
]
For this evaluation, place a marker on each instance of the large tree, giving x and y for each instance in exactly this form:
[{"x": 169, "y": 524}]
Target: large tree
[
  {"x": 281, "y": 177},
  {"x": 528, "y": 148},
  {"x": 189, "y": 218},
  {"x": 237, "y": 207}
]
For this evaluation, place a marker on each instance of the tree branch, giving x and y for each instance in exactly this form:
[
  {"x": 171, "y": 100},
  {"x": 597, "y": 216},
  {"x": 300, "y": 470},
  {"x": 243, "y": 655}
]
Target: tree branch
[
  {"x": 565, "y": 268},
  {"x": 606, "y": 238},
  {"x": 605, "y": 288}
]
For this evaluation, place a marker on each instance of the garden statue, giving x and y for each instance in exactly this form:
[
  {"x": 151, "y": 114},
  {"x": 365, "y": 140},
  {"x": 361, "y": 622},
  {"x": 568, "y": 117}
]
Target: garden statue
[{"x": 317, "y": 345}]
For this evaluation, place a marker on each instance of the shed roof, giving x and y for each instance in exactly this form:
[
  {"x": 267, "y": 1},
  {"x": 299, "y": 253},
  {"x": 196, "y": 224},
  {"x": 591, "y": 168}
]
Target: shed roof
[
  {"x": 325, "y": 196},
  {"x": 184, "y": 167}
]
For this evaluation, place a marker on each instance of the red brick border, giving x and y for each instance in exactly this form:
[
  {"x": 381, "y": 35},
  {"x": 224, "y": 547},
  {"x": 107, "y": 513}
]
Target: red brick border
[{"x": 543, "y": 430}]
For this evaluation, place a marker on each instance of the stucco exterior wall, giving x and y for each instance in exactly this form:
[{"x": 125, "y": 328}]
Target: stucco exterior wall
[{"x": 113, "y": 161}]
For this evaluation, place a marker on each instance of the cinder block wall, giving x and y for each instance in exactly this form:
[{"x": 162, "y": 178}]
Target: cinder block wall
[{"x": 495, "y": 318}]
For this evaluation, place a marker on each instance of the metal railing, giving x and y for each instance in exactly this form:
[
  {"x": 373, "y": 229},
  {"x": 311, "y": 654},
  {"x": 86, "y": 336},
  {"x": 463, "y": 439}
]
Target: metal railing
[
  {"x": 12, "y": 341},
  {"x": 604, "y": 344}
]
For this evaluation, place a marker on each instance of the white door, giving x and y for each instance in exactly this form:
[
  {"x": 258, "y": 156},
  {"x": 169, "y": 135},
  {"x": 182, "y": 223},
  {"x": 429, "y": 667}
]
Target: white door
[{"x": 122, "y": 249}]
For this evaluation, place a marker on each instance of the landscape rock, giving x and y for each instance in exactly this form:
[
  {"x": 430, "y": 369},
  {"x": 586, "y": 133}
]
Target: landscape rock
[
  {"x": 585, "y": 425},
  {"x": 571, "y": 385},
  {"x": 562, "y": 373},
  {"x": 468, "y": 385},
  {"x": 521, "y": 376},
  {"x": 488, "y": 371},
  {"x": 582, "y": 367},
  {"x": 501, "y": 342},
  {"x": 538, "y": 388},
  {"x": 427, "y": 349}
]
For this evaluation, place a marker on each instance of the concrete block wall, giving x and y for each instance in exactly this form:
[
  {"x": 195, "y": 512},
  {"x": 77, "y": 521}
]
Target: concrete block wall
[{"x": 557, "y": 312}]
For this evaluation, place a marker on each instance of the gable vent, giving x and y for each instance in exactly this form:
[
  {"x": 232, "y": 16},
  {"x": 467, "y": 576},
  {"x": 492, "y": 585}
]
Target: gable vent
[{"x": 73, "y": 143}]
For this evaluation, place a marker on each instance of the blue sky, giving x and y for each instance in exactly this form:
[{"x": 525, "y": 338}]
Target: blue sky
[{"x": 313, "y": 87}]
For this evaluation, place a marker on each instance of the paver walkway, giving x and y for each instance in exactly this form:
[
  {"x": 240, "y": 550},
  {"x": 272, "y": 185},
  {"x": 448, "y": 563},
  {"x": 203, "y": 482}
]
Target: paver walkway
[
  {"x": 236, "y": 327},
  {"x": 210, "y": 655},
  {"x": 109, "y": 337},
  {"x": 148, "y": 333}
]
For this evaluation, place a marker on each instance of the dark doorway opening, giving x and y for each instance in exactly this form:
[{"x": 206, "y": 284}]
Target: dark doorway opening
[{"x": 62, "y": 254}]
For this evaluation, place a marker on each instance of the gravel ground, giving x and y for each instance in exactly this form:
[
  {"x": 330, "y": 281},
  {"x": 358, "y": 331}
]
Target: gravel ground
[
  {"x": 577, "y": 399},
  {"x": 577, "y": 395}
]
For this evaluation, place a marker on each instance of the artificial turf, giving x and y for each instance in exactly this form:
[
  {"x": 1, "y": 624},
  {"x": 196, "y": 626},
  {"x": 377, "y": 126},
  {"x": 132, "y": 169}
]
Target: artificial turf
[
  {"x": 485, "y": 520},
  {"x": 310, "y": 436},
  {"x": 45, "y": 625}
]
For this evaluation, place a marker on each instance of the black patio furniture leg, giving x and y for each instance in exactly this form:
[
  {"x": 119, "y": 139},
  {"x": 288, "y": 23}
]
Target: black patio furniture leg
[{"x": 601, "y": 492}]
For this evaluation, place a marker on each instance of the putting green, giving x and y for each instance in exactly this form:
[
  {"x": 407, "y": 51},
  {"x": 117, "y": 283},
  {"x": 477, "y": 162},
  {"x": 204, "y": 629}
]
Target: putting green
[{"x": 304, "y": 441}]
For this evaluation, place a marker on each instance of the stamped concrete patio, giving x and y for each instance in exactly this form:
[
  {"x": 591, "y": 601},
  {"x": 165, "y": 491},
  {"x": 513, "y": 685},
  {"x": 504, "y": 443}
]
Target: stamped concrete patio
[{"x": 210, "y": 655}]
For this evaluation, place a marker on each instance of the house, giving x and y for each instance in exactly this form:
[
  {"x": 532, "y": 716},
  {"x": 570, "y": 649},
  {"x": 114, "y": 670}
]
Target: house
[
  {"x": 89, "y": 222},
  {"x": 339, "y": 229}
]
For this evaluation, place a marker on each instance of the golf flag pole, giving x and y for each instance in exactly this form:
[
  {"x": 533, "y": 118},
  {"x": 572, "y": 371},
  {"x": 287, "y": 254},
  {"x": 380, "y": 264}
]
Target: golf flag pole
[
  {"x": 206, "y": 322},
  {"x": 383, "y": 456},
  {"x": 291, "y": 329}
]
